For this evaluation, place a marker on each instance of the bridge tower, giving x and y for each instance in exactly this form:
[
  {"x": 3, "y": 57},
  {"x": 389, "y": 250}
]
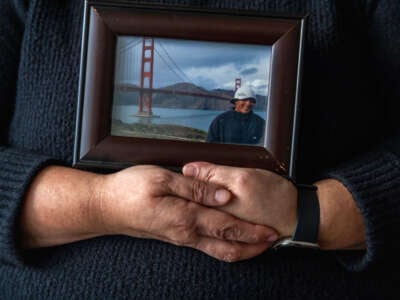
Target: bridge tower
[
  {"x": 238, "y": 83},
  {"x": 146, "y": 77}
]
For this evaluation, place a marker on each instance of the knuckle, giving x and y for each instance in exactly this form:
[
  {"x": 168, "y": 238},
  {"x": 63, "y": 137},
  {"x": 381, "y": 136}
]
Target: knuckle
[
  {"x": 184, "y": 228},
  {"x": 199, "y": 191},
  {"x": 230, "y": 232},
  {"x": 243, "y": 178},
  {"x": 208, "y": 174},
  {"x": 161, "y": 180}
]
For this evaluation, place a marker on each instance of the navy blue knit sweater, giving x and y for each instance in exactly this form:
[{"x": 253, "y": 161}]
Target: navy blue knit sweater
[{"x": 350, "y": 102}]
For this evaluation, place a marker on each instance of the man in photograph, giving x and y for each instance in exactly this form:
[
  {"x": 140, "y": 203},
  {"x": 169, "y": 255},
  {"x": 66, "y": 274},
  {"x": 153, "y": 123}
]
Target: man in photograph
[{"x": 239, "y": 125}]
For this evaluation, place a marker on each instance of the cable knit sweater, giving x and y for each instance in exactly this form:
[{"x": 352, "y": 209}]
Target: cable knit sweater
[{"x": 350, "y": 103}]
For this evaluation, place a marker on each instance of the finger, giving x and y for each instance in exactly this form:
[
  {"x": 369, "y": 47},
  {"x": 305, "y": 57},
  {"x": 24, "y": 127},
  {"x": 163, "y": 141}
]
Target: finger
[
  {"x": 217, "y": 224},
  {"x": 198, "y": 191},
  {"x": 204, "y": 171},
  {"x": 230, "y": 251},
  {"x": 181, "y": 222}
]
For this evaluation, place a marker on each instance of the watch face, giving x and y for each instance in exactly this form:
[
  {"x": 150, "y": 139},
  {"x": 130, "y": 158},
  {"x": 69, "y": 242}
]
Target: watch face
[{"x": 288, "y": 242}]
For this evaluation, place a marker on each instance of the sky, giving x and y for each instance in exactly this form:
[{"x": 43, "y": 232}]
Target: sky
[{"x": 211, "y": 65}]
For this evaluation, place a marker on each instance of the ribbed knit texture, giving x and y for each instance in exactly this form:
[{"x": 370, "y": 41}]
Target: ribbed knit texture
[
  {"x": 374, "y": 182},
  {"x": 17, "y": 169},
  {"x": 349, "y": 105}
]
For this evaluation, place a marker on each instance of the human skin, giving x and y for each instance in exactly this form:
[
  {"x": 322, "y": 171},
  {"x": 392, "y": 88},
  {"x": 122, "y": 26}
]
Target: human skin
[
  {"x": 244, "y": 106},
  {"x": 263, "y": 197},
  {"x": 64, "y": 205}
]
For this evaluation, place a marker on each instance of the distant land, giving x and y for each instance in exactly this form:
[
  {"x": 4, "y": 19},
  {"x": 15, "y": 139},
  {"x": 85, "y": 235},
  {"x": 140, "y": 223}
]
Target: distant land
[
  {"x": 154, "y": 131},
  {"x": 185, "y": 101}
]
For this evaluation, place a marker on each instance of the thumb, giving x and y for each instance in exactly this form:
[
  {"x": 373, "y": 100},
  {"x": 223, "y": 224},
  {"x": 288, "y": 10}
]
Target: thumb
[
  {"x": 200, "y": 171},
  {"x": 203, "y": 171},
  {"x": 211, "y": 173}
]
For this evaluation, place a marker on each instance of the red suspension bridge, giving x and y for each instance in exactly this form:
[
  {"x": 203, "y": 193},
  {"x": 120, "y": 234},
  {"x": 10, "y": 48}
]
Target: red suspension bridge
[{"x": 135, "y": 73}]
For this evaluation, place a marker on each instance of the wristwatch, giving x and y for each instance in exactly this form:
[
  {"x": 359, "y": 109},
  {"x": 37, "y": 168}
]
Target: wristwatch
[{"x": 306, "y": 232}]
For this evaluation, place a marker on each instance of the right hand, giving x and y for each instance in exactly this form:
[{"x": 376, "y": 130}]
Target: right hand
[
  {"x": 151, "y": 202},
  {"x": 259, "y": 196}
]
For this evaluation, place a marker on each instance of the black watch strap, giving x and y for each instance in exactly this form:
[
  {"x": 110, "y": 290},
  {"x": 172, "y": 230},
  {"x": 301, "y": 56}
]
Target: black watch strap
[
  {"x": 306, "y": 233},
  {"x": 307, "y": 214}
]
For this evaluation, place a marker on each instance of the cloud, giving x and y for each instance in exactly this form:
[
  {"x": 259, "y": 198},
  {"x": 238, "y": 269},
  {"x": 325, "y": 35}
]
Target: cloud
[
  {"x": 249, "y": 71},
  {"x": 206, "y": 82},
  {"x": 207, "y": 64},
  {"x": 201, "y": 53},
  {"x": 260, "y": 86},
  {"x": 222, "y": 76}
]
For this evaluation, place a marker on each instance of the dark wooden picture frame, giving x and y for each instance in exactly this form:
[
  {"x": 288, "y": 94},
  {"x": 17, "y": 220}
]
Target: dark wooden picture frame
[{"x": 105, "y": 21}]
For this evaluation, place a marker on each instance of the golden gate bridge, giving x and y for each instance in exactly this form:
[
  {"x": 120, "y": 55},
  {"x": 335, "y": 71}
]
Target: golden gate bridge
[{"x": 135, "y": 73}]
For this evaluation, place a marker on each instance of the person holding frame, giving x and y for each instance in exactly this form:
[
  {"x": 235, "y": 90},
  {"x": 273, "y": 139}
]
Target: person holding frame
[{"x": 353, "y": 159}]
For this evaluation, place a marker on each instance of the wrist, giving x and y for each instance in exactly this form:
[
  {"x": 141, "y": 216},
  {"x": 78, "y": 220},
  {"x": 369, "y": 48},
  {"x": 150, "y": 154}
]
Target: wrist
[
  {"x": 99, "y": 205},
  {"x": 341, "y": 222},
  {"x": 59, "y": 207},
  {"x": 289, "y": 225}
]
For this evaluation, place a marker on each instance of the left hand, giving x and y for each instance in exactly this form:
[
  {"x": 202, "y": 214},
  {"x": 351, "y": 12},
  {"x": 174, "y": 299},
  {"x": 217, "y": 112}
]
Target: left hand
[{"x": 259, "y": 196}]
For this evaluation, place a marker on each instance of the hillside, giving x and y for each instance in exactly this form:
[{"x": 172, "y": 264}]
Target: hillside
[{"x": 170, "y": 100}]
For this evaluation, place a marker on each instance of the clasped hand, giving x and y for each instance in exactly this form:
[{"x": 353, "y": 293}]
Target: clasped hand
[
  {"x": 229, "y": 213},
  {"x": 151, "y": 202}
]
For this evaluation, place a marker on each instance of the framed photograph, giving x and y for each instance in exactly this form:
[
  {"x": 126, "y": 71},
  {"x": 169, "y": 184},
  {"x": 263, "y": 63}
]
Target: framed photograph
[{"x": 169, "y": 85}]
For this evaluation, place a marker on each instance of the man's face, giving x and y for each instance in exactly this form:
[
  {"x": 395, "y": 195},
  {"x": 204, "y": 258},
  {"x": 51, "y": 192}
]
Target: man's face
[{"x": 244, "y": 106}]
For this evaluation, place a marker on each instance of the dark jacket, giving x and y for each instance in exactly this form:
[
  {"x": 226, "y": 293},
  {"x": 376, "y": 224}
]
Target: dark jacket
[
  {"x": 236, "y": 128},
  {"x": 349, "y": 114}
]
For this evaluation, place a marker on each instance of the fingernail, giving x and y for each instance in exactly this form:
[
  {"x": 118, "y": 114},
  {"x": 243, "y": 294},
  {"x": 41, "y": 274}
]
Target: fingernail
[
  {"x": 222, "y": 196},
  {"x": 272, "y": 238},
  {"x": 190, "y": 171}
]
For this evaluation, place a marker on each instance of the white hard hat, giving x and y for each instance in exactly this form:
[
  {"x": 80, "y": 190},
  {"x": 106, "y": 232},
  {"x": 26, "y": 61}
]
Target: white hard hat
[{"x": 244, "y": 92}]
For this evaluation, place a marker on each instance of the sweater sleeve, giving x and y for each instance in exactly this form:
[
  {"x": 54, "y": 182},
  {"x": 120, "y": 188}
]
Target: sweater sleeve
[
  {"x": 11, "y": 28},
  {"x": 17, "y": 167},
  {"x": 374, "y": 182},
  {"x": 374, "y": 179}
]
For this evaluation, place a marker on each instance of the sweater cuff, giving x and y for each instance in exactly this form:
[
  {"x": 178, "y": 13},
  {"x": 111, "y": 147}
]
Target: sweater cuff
[
  {"x": 374, "y": 182},
  {"x": 17, "y": 169}
]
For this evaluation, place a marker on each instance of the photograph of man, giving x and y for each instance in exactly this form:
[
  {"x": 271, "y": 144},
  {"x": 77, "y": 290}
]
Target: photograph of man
[{"x": 239, "y": 125}]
